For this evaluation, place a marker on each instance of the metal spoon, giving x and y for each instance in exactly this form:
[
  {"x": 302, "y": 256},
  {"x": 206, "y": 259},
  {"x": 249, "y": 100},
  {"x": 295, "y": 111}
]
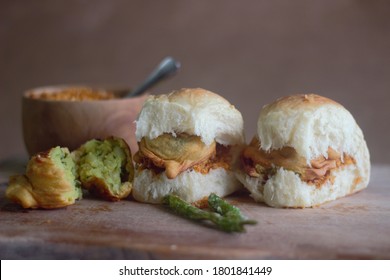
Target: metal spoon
[{"x": 167, "y": 67}]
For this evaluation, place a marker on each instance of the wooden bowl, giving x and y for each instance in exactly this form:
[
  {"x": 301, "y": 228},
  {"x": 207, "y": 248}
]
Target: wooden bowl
[{"x": 50, "y": 123}]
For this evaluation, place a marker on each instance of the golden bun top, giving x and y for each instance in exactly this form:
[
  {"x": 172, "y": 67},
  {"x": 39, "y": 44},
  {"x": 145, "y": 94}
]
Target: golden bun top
[
  {"x": 193, "y": 96},
  {"x": 301, "y": 101}
]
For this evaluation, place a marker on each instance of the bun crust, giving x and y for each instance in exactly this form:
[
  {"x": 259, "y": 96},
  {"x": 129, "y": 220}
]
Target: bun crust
[
  {"x": 190, "y": 185},
  {"x": 192, "y": 111}
]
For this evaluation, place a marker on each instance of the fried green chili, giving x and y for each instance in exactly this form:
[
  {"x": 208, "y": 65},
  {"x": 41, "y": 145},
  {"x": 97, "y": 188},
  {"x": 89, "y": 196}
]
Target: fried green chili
[{"x": 226, "y": 217}]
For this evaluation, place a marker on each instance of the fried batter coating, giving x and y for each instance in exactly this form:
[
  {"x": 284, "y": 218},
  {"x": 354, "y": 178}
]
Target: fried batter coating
[
  {"x": 176, "y": 153},
  {"x": 50, "y": 181},
  {"x": 257, "y": 161}
]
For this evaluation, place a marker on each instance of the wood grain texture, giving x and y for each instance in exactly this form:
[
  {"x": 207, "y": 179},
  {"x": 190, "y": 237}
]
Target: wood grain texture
[{"x": 355, "y": 227}]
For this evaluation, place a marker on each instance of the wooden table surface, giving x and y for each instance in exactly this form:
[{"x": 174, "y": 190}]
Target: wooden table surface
[{"x": 354, "y": 227}]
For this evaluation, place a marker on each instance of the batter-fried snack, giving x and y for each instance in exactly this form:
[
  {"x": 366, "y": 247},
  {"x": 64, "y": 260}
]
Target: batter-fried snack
[
  {"x": 49, "y": 182},
  {"x": 105, "y": 168}
]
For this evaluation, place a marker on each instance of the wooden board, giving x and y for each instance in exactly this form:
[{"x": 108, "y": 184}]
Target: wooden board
[{"x": 355, "y": 227}]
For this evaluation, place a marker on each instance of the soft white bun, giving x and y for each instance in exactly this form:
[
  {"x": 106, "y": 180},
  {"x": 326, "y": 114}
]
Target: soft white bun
[
  {"x": 192, "y": 111},
  {"x": 310, "y": 124},
  {"x": 189, "y": 185},
  {"x": 286, "y": 189}
]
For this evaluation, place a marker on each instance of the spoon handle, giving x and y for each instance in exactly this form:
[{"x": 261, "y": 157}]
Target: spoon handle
[{"x": 167, "y": 67}]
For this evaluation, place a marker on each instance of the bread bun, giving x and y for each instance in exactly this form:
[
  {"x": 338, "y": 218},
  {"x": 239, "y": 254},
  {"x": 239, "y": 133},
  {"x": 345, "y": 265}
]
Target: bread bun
[
  {"x": 190, "y": 185},
  {"x": 165, "y": 162},
  {"x": 312, "y": 125},
  {"x": 192, "y": 111}
]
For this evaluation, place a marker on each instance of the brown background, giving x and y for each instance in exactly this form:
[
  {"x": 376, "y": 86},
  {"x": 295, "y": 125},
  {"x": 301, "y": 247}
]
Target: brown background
[{"x": 251, "y": 52}]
